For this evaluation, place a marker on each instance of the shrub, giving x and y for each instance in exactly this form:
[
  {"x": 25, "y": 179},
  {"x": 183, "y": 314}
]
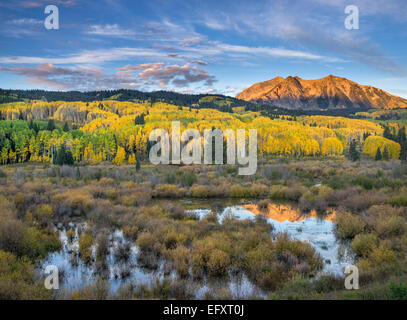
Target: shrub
[
  {"x": 294, "y": 193},
  {"x": 224, "y": 294},
  {"x": 37, "y": 244},
  {"x": 187, "y": 178},
  {"x": 258, "y": 190},
  {"x": 348, "y": 225},
  {"x": 382, "y": 255},
  {"x": 199, "y": 258},
  {"x": 263, "y": 204},
  {"x": 131, "y": 232},
  {"x": 305, "y": 204},
  {"x": 102, "y": 245},
  {"x": 278, "y": 192},
  {"x": 238, "y": 191},
  {"x": 168, "y": 191},
  {"x": 320, "y": 205},
  {"x": 180, "y": 260},
  {"x": 44, "y": 215},
  {"x": 199, "y": 191},
  {"x": 17, "y": 280},
  {"x": 363, "y": 244},
  {"x": 273, "y": 278},
  {"x": 397, "y": 291},
  {"x": 399, "y": 201},
  {"x": 85, "y": 246},
  {"x": 328, "y": 283},
  {"x": 11, "y": 235},
  {"x": 172, "y": 239},
  {"x": 390, "y": 226},
  {"x": 70, "y": 234},
  {"x": 146, "y": 241},
  {"x": 218, "y": 263},
  {"x": 122, "y": 251},
  {"x": 76, "y": 202},
  {"x": 178, "y": 213},
  {"x": 97, "y": 290},
  {"x": 364, "y": 181}
]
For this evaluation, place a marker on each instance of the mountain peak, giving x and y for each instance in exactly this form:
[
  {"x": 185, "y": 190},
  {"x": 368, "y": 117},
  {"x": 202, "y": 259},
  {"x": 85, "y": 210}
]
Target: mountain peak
[{"x": 329, "y": 92}]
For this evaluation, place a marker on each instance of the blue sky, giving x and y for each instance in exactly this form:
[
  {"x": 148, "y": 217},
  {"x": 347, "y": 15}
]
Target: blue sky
[{"x": 196, "y": 46}]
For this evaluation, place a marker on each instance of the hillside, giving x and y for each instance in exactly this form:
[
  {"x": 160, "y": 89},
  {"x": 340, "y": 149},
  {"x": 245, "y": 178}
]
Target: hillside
[{"x": 327, "y": 93}]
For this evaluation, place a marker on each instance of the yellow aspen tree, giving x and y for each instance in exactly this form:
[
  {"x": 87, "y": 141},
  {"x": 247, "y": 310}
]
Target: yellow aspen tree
[{"x": 120, "y": 156}]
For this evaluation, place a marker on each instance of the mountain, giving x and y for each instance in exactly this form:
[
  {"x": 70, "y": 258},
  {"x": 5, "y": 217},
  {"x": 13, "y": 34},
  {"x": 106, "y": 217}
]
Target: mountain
[{"x": 327, "y": 93}]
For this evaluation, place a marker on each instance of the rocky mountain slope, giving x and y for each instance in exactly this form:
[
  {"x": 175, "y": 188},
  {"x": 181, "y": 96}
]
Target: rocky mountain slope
[{"x": 326, "y": 93}]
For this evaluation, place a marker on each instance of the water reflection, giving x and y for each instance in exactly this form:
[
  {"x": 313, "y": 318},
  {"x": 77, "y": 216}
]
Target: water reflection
[
  {"x": 318, "y": 230},
  {"x": 286, "y": 212}
]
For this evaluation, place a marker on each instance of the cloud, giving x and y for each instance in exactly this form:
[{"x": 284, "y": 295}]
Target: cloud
[
  {"x": 61, "y": 78},
  {"x": 143, "y": 75},
  {"x": 315, "y": 24},
  {"x": 87, "y": 56},
  {"x": 26, "y": 21},
  {"x": 21, "y": 27},
  {"x": 111, "y": 30},
  {"x": 200, "y": 62},
  {"x": 162, "y": 75},
  {"x": 194, "y": 54},
  {"x": 216, "y": 25},
  {"x": 191, "y": 41},
  {"x": 43, "y": 3},
  {"x": 273, "y": 52}
]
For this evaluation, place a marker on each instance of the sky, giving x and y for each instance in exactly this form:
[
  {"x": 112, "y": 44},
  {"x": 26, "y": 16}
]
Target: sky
[{"x": 192, "y": 46}]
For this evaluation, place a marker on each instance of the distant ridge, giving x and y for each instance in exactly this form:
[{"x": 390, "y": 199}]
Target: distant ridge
[{"x": 327, "y": 93}]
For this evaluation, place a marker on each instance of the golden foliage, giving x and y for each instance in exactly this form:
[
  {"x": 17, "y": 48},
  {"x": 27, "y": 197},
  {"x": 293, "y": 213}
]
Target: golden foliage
[{"x": 372, "y": 143}]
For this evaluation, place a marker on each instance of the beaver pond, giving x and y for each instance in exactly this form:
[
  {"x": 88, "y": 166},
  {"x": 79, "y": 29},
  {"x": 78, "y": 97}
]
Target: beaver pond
[{"x": 319, "y": 231}]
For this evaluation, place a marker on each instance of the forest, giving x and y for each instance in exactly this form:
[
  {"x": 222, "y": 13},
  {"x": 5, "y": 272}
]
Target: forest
[{"x": 117, "y": 132}]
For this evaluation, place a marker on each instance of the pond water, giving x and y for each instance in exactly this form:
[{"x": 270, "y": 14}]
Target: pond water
[
  {"x": 75, "y": 273},
  {"x": 319, "y": 232}
]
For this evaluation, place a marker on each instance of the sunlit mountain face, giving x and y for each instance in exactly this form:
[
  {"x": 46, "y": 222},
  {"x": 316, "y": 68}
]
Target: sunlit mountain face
[
  {"x": 184, "y": 46},
  {"x": 327, "y": 93}
]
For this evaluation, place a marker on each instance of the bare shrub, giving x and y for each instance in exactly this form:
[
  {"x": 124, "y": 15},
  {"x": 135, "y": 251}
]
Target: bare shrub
[
  {"x": 180, "y": 260},
  {"x": 122, "y": 252},
  {"x": 75, "y": 202},
  {"x": 320, "y": 205},
  {"x": 218, "y": 263},
  {"x": 178, "y": 213},
  {"x": 168, "y": 191},
  {"x": 263, "y": 204},
  {"x": 102, "y": 245}
]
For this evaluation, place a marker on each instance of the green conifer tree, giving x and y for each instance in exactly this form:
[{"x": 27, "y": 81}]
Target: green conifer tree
[{"x": 378, "y": 155}]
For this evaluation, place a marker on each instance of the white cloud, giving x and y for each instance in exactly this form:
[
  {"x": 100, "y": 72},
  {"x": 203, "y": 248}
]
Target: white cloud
[
  {"x": 111, "y": 30},
  {"x": 273, "y": 52},
  {"x": 87, "y": 56},
  {"x": 190, "y": 41},
  {"x": 25, "y": 21}
]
